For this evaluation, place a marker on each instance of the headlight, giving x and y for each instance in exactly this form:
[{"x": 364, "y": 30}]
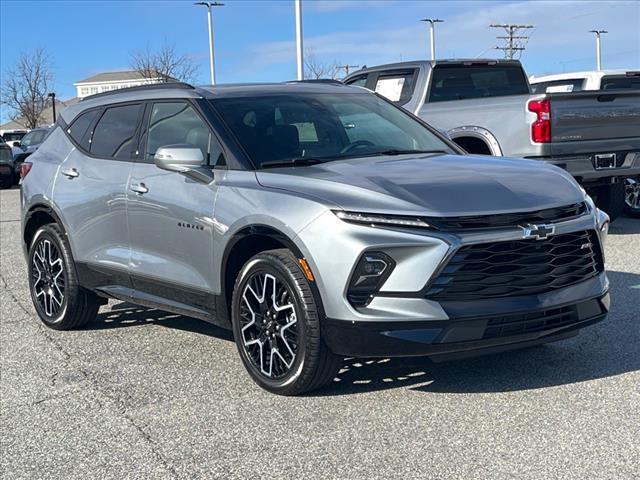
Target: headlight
[
  {"x": 371, "y": 272},
  {"x": 375, "y": 220}
]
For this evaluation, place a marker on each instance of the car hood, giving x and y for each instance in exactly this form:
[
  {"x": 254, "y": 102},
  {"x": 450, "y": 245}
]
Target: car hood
[{"x": 435, "y": 185}]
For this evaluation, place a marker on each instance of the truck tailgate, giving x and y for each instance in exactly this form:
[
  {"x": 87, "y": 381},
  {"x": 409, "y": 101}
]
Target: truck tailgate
[{"x": 600, "y": 115}]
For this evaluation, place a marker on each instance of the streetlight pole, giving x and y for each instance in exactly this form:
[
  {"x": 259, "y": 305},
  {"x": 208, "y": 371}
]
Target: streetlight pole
[
  {"x": 52, "y": 96},
  {"x": 212, "y": 63},
  {"x": 432, "y": 34},
  {"x": 598, "y": 48},
  {"x": 299, "y": 51}
]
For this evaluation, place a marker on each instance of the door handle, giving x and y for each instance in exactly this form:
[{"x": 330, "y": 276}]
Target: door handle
[
  {"x": 70, "y": 172},
  {"x": 139, "y": 188}
]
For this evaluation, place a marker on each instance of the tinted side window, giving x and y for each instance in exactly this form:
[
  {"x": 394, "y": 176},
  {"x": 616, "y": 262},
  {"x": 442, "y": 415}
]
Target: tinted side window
[
  {"x": 174, "y": 123},
  {"x": 396, "y": 86},
  {"x": 459, "y": 82},
  {"x": 615, "y": 83},
  {"x": 114, "y": 134},
  {"x": 80, "y": 126},
  {"x": 360, "y": 81}
]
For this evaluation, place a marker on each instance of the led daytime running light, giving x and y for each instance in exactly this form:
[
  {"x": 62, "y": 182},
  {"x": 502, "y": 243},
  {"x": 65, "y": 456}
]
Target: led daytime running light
[{"x": 381, "y": 220}]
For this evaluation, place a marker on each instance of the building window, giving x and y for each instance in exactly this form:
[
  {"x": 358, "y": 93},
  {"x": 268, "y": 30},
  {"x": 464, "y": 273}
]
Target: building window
[
  {"x": 93, "y": 90},
  {"x": 84, "y": 91}
]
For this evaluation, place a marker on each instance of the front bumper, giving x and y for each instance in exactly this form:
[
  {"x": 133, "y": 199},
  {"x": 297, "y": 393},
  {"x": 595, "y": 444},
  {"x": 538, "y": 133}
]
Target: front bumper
[{"x": 488, "y": 326}]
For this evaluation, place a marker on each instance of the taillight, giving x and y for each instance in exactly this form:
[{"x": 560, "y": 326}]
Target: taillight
[
  {"x": 541, "y": 128},
  {"x": 25, "y": 168}
]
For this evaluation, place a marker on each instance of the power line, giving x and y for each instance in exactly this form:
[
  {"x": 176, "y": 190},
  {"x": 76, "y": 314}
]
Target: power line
[
  {"x": 513, "y": 42},
  {"x": 346, "y": 68}
]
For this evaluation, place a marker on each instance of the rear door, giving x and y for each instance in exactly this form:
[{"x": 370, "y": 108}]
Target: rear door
[
  {"x": 91, "y": 190},
  {"x": 170, "y": 215}
]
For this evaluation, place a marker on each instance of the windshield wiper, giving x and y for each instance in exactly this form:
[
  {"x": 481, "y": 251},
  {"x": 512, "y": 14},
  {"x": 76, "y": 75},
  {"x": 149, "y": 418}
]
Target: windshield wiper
[
  {"x": 293, "y": 162},
  {"x": 396, "y": 151}
]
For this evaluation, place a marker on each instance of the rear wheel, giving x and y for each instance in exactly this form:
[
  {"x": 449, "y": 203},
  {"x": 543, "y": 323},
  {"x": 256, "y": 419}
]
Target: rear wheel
[
  {"x": 632, "y": 196},
  {"x": 61, "y": 303},
  {"x": 610, "y": 198},
  {"x": 276, "y": 325}
]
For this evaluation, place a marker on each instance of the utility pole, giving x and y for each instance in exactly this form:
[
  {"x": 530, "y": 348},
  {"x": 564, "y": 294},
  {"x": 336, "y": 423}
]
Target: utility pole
[
  {"x": 299, "y": 54},
  {"x": 52, "y": 96},
  {"x": 212, "y": 62},
  {"x": 598, "y": 48},
  {"x": 432, "y": 34},
  {"x": 346, "y": 68},
  {"x": 514, "y": 42}
]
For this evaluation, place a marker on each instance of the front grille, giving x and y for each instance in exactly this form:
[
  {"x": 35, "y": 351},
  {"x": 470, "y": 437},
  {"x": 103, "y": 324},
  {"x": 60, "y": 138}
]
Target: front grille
[
  {"x": 518, "y": 324},
  {"x": 549, "y": 215},
  {"x": 518, "y": 267}
]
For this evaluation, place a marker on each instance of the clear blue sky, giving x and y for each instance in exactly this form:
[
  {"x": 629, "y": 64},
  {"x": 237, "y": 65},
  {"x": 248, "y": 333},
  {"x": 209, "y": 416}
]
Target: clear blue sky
[{"x": 255, "y": 39}]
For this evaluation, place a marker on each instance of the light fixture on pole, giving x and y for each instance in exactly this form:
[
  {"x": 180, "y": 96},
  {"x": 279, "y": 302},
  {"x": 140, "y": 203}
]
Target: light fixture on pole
[
  {"x": 299, "y": 54},
  {"x": 598, "y": 48},
  {"x": 212, "y": 63},
  {"x": 432, "y": 33},
  {"x": 52, "y": 96}
]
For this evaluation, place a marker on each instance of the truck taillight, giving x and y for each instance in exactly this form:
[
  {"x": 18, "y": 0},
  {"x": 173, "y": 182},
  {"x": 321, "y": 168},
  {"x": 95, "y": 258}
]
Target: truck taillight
[
  {"x": 541, "y": 128},
  {"x": 25, "y": 168}
]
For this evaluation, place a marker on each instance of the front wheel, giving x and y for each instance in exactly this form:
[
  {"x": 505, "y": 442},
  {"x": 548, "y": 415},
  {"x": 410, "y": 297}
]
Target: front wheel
[
  {"x": 632, "y": 196},
  {"x": 276, "y": 325}
]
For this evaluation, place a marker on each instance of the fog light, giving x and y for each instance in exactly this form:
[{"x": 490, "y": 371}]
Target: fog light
[{"x": 372, "y": 270}]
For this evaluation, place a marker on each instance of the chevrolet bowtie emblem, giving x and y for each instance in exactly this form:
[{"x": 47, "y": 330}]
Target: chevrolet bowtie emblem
[{"x": 539, "y": 232}]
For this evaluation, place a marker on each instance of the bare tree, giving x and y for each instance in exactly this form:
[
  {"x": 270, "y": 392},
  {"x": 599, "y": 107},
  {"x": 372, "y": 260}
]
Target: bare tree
[
  {"x": 26, "y": 87},
  {"x": 165, "y": 65},
  {"x": 316, "y": 69}
]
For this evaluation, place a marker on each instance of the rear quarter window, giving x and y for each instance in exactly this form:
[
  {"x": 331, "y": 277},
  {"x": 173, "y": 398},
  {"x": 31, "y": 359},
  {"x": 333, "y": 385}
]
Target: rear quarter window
[{"x": 79, "y": 129}]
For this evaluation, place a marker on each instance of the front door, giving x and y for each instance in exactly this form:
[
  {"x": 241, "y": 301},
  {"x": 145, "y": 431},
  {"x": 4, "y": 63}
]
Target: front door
[{"x": 170, "y": 215}]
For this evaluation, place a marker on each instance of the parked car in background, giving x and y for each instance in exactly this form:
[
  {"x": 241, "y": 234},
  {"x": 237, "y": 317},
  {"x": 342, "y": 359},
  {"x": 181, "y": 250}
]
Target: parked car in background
[
  {"x": 486, "y": 107},
  {"x": 30, "y": 142},
  {"x": 7, "y": 166},
  {"x": 12, "y": 137},
  {"x": 589, "y": 80},
  {"x": 605, "y": 80},
  {"x": 315, "y": 220}
]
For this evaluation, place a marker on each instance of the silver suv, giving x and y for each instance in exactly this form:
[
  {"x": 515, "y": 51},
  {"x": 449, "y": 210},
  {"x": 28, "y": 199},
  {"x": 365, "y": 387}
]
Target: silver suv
[{"x": 315, "y": 220}]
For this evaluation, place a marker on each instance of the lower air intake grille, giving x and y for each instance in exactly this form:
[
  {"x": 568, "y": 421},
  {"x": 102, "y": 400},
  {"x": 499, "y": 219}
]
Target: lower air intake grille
[
  {"x": 518, "y": 267},
  {"x": 530, "y": 322}
]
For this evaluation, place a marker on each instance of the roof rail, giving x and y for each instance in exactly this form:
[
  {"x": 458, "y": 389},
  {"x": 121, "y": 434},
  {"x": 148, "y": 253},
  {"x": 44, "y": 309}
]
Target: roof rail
[
  {"x": 150, "y": 86},
  {"x": 318, "y": 80}
]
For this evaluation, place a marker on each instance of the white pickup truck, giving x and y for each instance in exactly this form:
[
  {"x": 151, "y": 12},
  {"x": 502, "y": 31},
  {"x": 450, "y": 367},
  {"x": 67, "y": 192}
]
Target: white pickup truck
[{"x": 486, "y": 106}]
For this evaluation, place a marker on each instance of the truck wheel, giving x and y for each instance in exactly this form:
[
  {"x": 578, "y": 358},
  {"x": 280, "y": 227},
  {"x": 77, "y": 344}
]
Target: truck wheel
[
  {"x": 610, "y": 198},
  {"x": 632, "y": 196},
  {"x": 61, "y": 303},
  {"x": 276, "y": 325}
]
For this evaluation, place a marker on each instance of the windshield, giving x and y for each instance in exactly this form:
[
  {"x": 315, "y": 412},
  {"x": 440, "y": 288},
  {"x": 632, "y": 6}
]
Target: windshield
[
  {"x": 34, "y": 137},
  {"x": 12, "y": 136},
  {"x": 323, "y": 127}
]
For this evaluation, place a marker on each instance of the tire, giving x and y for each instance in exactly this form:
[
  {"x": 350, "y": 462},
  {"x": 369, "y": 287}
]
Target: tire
[
  {"x": 282, "y": 350},
  {"x": 632, "y": 196},
  {"x": 610, "y": 198},
  {"x": 59, "y": 300}
]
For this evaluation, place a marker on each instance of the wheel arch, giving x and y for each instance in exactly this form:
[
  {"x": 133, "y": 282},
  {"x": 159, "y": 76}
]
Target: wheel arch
[
  {"x": 37, "y": 216},
  {"x": 244, "y": 244},
  {"x": 474, "y": 133}
]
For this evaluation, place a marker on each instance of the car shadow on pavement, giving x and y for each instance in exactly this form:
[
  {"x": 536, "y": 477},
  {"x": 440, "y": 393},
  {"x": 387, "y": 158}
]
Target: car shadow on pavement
[
  {"x": 606, "y": 349},
  {"x": 625, "y": 226},
  {"x": 126, "y": 314}
]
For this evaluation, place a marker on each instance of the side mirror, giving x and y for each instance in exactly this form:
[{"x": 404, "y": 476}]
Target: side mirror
[{"x": 178, "y": 158}]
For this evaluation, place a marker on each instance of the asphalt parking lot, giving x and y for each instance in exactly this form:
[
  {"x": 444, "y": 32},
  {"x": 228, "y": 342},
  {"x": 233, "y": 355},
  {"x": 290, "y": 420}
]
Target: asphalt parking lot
[{"x": 144, "y": 394}]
